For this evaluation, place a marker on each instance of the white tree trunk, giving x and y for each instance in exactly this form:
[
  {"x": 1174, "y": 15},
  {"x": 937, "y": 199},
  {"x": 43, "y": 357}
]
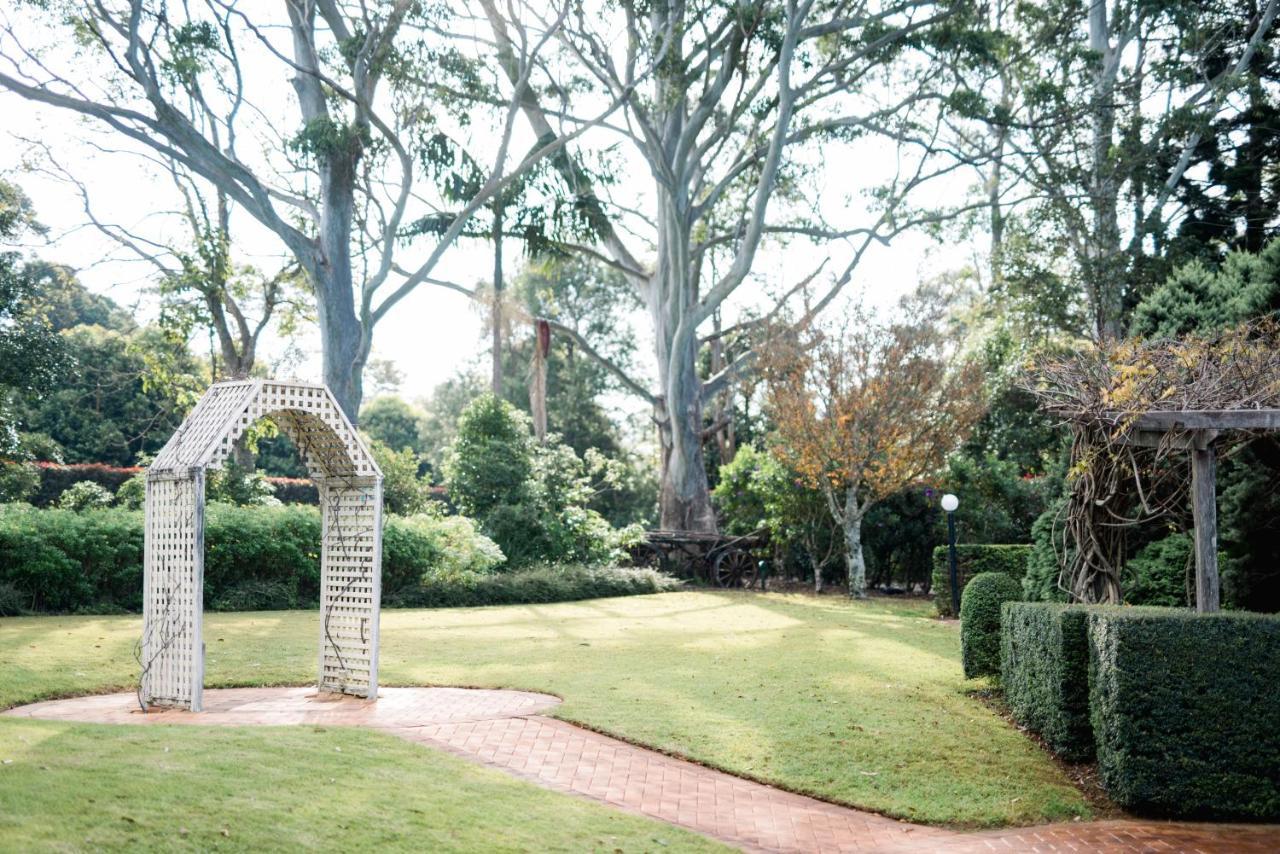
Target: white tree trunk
[{"x": 853, "y": 554}]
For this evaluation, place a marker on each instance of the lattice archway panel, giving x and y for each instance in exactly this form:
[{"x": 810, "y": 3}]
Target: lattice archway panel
[{"x": 350, "y": 487}]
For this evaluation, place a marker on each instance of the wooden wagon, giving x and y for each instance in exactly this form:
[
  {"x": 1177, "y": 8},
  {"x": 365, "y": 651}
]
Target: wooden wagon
[{"x": 717, "y": 559}]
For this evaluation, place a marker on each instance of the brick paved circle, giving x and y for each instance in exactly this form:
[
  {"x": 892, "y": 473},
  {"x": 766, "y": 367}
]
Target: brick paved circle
[{"x": 504, "y": 729}]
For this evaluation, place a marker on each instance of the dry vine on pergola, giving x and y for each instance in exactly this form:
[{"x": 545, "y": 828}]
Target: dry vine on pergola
[
  {"x": 350, "y": 486},
  {"x": 1130, "y": 406}
]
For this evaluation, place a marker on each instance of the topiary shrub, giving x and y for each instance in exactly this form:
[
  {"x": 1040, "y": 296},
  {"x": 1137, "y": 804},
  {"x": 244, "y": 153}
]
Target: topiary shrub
[
  {"x": 85, "y": 495},
  {"x": 1044, "y": 670},
  {"x": 1185, "y": 710},
  {"x": 980, "y": 621},
  {"x": 970, "y": 561}
]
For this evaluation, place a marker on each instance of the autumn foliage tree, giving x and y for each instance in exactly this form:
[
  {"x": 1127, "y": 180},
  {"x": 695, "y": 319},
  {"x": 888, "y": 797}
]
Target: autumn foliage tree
[{"x": 863, "y": 408}]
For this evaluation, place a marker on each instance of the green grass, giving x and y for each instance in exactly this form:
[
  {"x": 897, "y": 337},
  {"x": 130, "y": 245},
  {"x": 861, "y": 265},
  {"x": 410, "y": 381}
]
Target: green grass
[
  {"x": 166, "y": 787},
  {"x": 862, "y": 704}
]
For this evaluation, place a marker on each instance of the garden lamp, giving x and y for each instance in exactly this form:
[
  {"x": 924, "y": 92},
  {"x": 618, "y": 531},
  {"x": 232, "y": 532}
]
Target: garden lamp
[{"x": 949, "y": 504}]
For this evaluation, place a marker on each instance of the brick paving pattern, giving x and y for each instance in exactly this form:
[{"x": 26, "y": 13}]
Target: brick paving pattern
[{"x": 503, "y": 729}]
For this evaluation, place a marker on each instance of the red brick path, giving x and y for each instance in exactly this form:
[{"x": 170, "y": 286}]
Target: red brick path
[{"x": 502, "y": 729}]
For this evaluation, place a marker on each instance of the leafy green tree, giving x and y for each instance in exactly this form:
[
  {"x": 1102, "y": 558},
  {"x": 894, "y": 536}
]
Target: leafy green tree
[
  {"x": 32, "y": 357},
  {"x": 1233, "y": 200},
  {"x": 394, "y": 422},
  {"x": 441, "y": 413},
  {"x": 66, "y": 303},
  {"x": 529, "y": 497},
  {"x": 490, "y": 461},
  {"x": 756, "y": 492},
  {"x": 404, "y": 492},
  {"x": 999, "y": 502},
  {"x": 1203, "y": 296},
  {"x": 109, "y": 410}
]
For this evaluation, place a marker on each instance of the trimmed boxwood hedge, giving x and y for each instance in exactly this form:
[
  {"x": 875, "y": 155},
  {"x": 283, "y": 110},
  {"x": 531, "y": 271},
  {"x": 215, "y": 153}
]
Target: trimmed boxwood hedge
[
  {"x": 1186, "y": 710},
  {"x": 980, "y": 621},
  {"x": 1044, "y": 669},
  {"x": 970, "y": 561}
]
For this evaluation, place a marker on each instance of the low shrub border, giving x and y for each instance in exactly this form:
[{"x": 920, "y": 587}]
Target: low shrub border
[
  {"x": 980, "y": 621},
  {"x": 532, "y": 585},
  {"x": 1186, "y": 711},
  {"x": 267, "y": 558},
  {"x": 970, "y": 561},
  {"x": 1044, "y": 669}
]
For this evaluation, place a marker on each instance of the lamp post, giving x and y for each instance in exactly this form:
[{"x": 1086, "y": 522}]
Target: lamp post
[{"x": 949, "y": 504}]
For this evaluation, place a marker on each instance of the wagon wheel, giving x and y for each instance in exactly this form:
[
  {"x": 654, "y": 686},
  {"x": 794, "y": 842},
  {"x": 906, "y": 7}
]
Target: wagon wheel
[
  {"x": 648, "y": 556},
  {"x": 734, "y": 567}
]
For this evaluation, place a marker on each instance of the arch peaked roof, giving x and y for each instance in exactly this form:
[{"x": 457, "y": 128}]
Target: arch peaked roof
[{"x": 307, "y": 413}]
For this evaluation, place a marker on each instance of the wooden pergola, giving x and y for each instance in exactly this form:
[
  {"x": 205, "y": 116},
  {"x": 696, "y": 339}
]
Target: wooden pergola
[{"x": 1195, "y": 431}]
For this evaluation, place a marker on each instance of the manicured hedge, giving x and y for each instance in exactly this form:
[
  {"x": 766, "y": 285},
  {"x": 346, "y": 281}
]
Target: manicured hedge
[
  {"x": 539, "y": 584},
  {"x": 971, "y": 560},
  {"x": 260, "y": 558},
  {"x": 60, "y": 561},
  {"x": 1044, "y": 669},
  {"x": 980, "y": 608},
  {"x": 55, "y": 479},
  {"x": 1186, "y": 710}
]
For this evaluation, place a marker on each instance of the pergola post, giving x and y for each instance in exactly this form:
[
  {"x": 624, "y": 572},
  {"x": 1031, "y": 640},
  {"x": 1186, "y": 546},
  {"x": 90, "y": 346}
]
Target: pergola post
[{"x": 1204, "y": 510}]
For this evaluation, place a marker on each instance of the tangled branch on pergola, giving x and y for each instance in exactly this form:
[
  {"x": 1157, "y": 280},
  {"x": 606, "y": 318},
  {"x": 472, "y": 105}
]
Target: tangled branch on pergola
[{"x": 1122, "y": 472}]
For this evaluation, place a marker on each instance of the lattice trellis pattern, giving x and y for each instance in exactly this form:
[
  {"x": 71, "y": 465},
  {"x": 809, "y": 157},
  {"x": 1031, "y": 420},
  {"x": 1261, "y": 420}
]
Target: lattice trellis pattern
[{"x": 350, "y": 487}]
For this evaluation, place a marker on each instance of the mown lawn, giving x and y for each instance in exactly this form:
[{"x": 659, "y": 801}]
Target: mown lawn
[
  {"x": 860, "y": 703},
  {"x": 78, "y": 787}
]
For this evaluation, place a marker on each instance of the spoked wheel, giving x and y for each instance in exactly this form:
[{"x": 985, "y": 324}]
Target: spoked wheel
[
  {"x": 648, "y": 556},
  {"x": 734, "y": 568}
]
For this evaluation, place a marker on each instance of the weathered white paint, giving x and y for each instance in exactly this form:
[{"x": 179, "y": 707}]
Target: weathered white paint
[{"x": 350, "y": 486}]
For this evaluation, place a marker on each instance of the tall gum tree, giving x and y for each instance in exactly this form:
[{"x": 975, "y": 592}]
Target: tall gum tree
[
  {"x": 333, "y": 172},
  {"x": 724, "y": 104},
  {"x": 1100, "y": 107}
]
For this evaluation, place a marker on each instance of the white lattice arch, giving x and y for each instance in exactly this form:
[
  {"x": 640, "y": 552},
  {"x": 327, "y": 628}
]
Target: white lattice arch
[{"x": 350, "y": 487}]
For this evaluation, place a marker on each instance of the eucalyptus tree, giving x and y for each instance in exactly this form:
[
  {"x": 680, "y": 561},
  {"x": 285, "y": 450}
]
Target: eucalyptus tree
[
  {"x": 1102, "y": 106},
  {"x": 729, "y": 110},
  {"x": 332, "y": 171}
]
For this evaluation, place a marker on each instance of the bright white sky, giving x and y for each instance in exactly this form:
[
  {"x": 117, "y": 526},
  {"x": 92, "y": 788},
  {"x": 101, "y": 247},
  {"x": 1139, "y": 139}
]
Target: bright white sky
[{"x": 433, "y": 333}]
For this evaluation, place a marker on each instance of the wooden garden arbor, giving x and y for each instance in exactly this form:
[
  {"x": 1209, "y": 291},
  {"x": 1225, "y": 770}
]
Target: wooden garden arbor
[
  {"x": 350, "y": 488},
  {"x": 1196, "y": 431}
]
